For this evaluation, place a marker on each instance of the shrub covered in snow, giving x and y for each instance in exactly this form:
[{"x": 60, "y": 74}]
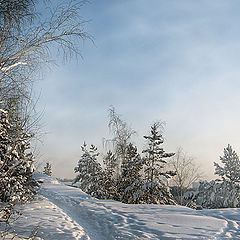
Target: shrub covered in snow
[
  {"x": 216, "y": 194},
  {"x": 48, "y": 169},
  {"x": 190, "y": 199}
]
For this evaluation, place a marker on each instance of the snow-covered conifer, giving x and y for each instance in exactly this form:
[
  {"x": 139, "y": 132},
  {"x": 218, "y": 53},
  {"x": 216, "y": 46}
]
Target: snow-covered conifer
[
  {"x": 110, "y": 181},
  {"x": 110, "y": 163},
  {"x": 224, "y": 192},
  {"x": 155, "y": 189},
  {"x": 215, "y": 194},
  {"x": 90, "y": 174},
  {"x": 131, "y": 182},
  {"x": 48, "y": 169},
  {"x": 16, "y": 163},
  {"x": 231, "y": 165}
]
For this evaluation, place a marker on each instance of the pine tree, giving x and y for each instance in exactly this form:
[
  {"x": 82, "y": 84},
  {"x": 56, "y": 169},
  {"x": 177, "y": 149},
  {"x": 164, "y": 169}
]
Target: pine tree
[
  {"x": 131, "y": 181},
  {"x": 109, "y": 173},
  {"x": 16, "y": 163},
  {"x": 110, "y": 163},
  {"x": 231, "y": 166},
  {"x": 48, "y": 169},
  {"x": 224, "y": 192},
  {"x": 155, "y": 189},
  {"x": 90, "y": 173}
]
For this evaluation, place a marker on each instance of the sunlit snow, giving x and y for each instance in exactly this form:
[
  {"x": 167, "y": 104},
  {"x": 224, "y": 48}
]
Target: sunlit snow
[{"x": 64, "y": 212}]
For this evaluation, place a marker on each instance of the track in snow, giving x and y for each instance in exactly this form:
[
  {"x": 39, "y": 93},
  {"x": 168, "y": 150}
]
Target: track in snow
[{"x": 110, "y": 220}]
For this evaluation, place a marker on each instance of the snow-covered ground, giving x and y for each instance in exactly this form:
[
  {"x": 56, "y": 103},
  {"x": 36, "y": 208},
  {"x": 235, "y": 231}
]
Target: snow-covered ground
[{"x": 64, "y": 213}]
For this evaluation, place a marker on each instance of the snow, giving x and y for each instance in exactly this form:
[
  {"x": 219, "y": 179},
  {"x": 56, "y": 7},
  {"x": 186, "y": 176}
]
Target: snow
[{"x": 64, "y": 212}]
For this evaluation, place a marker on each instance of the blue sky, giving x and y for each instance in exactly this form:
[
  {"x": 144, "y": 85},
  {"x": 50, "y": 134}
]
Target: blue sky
[{"x": 177, "y": 61}]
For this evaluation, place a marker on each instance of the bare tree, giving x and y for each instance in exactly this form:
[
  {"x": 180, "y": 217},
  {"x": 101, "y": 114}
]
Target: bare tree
[
  {"x": 29, "y": 36},
  {"x": 122, "y": 134},
  {"x": 27, "y": 40},
  {"x": 187, "y": 172}
]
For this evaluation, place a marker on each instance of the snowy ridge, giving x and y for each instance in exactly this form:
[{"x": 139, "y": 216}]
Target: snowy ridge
[{"x": 64, "y": 212}]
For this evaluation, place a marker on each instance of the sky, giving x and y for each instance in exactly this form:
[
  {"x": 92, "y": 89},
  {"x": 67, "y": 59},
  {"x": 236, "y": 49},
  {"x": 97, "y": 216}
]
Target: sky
[{"x": 175, "y": 61}]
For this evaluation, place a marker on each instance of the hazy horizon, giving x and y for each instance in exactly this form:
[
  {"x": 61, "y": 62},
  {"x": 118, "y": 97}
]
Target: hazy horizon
[{"x": 176, "y": 61}]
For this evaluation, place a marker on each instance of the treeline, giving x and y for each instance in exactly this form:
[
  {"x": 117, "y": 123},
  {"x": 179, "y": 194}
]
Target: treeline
[
  {"x": 154, "y": 176},
  {"x": 127, "y": 175}
]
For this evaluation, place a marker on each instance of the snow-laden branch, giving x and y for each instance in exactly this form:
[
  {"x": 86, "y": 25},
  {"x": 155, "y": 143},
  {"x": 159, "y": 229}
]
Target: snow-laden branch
[{"x": 5, "y": 69}]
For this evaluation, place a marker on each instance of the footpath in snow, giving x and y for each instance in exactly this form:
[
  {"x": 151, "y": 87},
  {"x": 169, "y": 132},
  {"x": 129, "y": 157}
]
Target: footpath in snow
[{"x": 65, "y": 213}]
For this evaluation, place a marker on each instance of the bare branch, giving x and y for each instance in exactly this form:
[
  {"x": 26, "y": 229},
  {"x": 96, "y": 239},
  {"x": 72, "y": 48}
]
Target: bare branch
[
  {"x": 26, "y": 44},
  {"x": 187, "y": 172}
]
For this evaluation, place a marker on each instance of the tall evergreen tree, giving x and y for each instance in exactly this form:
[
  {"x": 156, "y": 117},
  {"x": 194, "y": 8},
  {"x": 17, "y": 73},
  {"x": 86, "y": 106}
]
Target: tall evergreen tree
[
  {"x": 16, "y": 163},
  {"x": 110, "y": 180},
  {"x": 110, "y": 163},
  {"x": 155, "y": 188},
  {"x": 131, "y": 181}
]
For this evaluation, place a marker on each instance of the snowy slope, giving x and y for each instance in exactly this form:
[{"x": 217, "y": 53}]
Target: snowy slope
[{"x": 64, "y": 212}]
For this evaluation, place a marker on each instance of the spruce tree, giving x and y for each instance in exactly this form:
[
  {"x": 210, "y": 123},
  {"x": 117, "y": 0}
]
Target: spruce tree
[
  {"x": 48, "y": 169},
  {"x": 90, "y": 174},
  {"x": 110, "y": 163},
  {"x": 131, "y": 181},
  {"x": 155, "y": 189},
  {"x": 224, "y": 192},
  {"x": 231, "y": 166},
  {"x": 16, "y": 163},
  {"x": 110, "y": 181}
]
